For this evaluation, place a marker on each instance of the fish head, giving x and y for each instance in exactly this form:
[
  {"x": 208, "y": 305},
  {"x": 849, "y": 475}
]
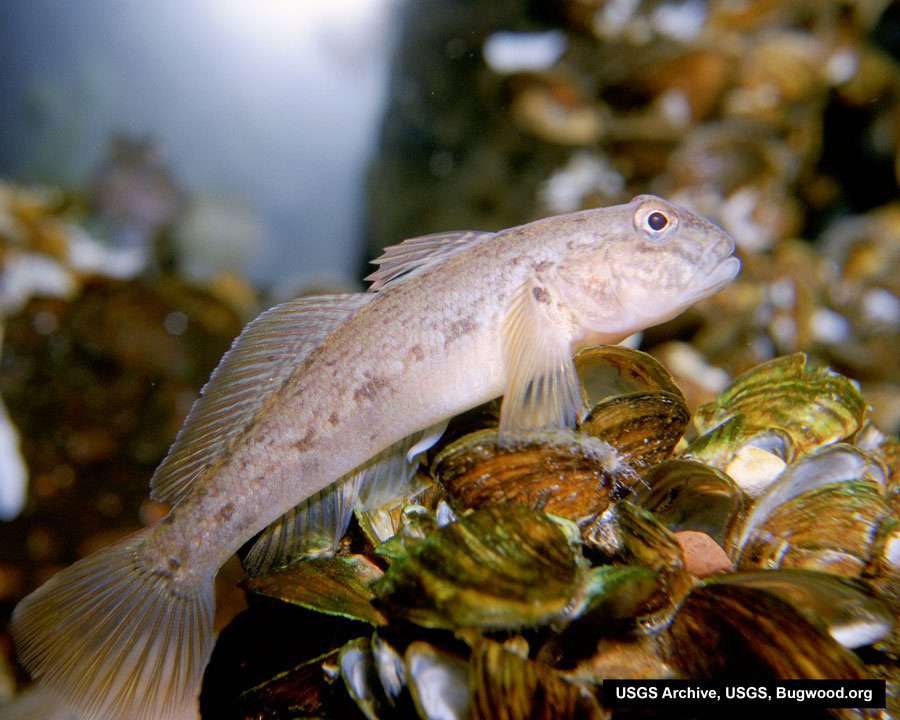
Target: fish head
[{"x": 648, "y": 262}]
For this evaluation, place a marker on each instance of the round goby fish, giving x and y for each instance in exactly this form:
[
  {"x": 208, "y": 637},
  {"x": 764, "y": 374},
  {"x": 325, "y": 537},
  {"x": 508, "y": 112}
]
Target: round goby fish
[{"x": 324, "y": 403}]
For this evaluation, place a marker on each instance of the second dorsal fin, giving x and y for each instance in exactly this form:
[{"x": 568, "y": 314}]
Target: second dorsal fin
[
  {"x": 258, "y": 363},
  {"x": 400, "y": 261}
]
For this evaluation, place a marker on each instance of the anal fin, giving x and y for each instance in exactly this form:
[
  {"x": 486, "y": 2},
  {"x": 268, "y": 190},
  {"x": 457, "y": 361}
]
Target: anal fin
[{"x": 315, "y": 527}]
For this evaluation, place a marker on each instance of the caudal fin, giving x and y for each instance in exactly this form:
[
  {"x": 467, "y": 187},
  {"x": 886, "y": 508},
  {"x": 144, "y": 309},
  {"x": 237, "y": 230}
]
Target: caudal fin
[{"x": 113, "y": 638}]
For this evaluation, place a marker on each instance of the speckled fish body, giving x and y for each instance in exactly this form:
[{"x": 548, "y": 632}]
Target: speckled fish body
[
  {"x": 454, "y": 320},
  {"x": 422, "y": 352}
]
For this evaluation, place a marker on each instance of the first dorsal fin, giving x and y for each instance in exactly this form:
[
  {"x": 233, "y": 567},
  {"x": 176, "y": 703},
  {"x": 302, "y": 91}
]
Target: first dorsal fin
[
  {"x": 400, "y": 261},
  {"x": 258, "y": 363}
]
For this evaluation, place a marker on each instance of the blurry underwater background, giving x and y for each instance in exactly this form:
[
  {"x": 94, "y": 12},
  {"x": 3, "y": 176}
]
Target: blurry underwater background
[{"x": 170, "y": 169}]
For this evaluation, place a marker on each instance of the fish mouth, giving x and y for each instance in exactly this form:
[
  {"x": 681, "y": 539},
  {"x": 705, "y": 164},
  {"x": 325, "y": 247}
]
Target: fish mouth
[{"x": 722, "y": 274}]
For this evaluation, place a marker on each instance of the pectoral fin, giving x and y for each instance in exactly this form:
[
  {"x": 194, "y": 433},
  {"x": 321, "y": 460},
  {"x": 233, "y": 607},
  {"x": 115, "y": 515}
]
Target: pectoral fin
[{"x": 541, "y": 383}]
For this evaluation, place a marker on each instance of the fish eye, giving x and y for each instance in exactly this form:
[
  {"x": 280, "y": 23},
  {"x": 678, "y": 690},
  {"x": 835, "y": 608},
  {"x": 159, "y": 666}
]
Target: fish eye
[{"x": 656, "y": 221}]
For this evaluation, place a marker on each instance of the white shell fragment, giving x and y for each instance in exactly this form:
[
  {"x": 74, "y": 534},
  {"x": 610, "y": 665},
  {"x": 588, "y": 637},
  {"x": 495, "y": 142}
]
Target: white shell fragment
[
  {"x": 881, "y": 306},
  {"x": 511, "y": 52},
  {"x": 439, "y": 682},
  {"x": 754, "y": 469},
  {"x": 842, "y": 66},
  {"x": 584, "y": 174},
  {"x": 390, "y": 668},
  {"x": 358, "y": 669},
  {"x": 829, "y": 326},
  {"x": 13, "y": 471},
  {"x": 892, "y": 550},
  {"x": 27, "y": 274},
  {"x": 685, "y": 361},
  {"x": 218, "y": 235},
  {"x": 860, "y": 633},
  {"x": 681, "y": 21},
  {"x": 611, "y": 19},
  {"x": 738, "y": 215},
  {"x": 88, "y": 255},
  {"x": 444, "y": 514}
]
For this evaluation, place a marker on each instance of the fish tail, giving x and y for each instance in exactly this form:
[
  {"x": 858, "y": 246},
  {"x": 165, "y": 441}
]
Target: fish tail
[{"x": 113, "y": 637}]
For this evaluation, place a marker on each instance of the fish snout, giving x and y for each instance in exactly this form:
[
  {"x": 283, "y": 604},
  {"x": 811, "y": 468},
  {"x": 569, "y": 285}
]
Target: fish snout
[
  {"x": 721, "y": 248},
  {"x": 718, "y": 265}
]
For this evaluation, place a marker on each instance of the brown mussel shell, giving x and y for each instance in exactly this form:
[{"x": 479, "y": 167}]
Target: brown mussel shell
[
  {"x": 644, "y": 428},
  {"x": 333, "y": 586},
  {"x": 830, "y": 528},
  {"x": 688, "y": 495},
  {"x": 796, "y": 511},
  {"x": 814, "y": 406},
  {"x": 629, "y": 535},
  {"x": 510, "y": 686},
  {"x": 609, "y": 370},
  {"x": 498, "y": 567},
  {"x": 560, "y": 473},
  {"x": 755, "y": 635}
]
